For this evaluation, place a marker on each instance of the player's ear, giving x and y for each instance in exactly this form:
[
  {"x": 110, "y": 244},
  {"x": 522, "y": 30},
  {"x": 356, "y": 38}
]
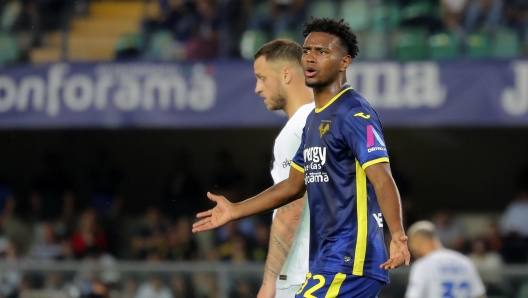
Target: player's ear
[
  {"x": 286, "y": 75},
  {"x": 345, "y": 62}
]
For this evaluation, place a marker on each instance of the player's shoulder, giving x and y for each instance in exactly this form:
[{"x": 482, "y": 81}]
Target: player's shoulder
[
  {"x": 448, "y": 255},
  {"x": 303, "y": 112},
  {"x": 298, "y": 120},
  {"x": 420, "y": 266},
  {"x": 355, "y": 105}
]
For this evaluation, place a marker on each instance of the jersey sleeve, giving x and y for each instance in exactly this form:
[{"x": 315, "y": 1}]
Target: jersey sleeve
[
  {"x": 417, "y": 282},
  {"x": 298, "y": 160},
  {"x": 362, "y": 133}
]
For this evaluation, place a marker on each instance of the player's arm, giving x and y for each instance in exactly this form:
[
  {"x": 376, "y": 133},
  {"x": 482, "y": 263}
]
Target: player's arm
[
  {"x": 389, "y": 201},
  {"x": 276, "y": 196},
  {"x": 282, "y": 234},
  {"x": 363, "y": 133}
]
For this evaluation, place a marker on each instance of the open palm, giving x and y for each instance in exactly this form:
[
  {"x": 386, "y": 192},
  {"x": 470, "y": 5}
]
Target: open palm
[
  {"x": 399, "y": 253},
  {"x": 216, "y": 217}
]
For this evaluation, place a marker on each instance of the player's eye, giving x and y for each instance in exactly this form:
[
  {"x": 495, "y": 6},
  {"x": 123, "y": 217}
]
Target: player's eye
[
  {"x": 322, "y": 51},
  {"x": 305, "y": 51}
]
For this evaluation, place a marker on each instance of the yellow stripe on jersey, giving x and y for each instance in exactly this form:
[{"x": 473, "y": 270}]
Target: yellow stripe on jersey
[
  {"x": 362, "y": 220},
  {"x": 319, "y": 110},
  {"x": 333, "y": 291},
  {"x": 297, "y": 167},
  {"x": 375, "y": 161}
]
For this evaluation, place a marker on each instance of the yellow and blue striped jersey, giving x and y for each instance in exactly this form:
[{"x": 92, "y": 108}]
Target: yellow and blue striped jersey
[{"x": 340, "y": 140}]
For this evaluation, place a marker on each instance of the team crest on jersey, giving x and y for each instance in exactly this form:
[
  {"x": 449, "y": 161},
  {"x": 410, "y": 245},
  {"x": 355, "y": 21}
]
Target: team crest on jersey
[
  {"x": 374, "y": 140},
  {"x": 323, "y": 128}
]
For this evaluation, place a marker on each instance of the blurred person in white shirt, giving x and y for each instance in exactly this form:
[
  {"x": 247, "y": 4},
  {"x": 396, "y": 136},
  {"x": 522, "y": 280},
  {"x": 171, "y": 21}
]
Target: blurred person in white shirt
[
  {"x": 514, "y": 218},
  {"x": 439, "y": 272},
  {"x": 154, "y": 288}
]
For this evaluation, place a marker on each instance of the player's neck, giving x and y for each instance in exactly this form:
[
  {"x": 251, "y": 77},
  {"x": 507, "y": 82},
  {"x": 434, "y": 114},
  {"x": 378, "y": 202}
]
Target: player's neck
[
  {"x": 433, "y": 246},
  {"x": 324, "y": 94},
  {"x": 298, "y": 96}
]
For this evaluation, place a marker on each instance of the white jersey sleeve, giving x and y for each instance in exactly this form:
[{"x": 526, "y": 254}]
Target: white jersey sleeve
[{"x": 418, "y": 280}]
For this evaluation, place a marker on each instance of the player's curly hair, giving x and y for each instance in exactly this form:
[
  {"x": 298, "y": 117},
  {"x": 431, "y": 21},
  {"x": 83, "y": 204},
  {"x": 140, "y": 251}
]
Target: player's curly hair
[{"x": 340, "y": 28}]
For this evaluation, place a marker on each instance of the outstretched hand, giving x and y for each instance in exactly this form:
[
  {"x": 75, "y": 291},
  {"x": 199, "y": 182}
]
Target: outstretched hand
[
  {"x": 399, "y": 253},
  {"x": 221, "y": 214}
]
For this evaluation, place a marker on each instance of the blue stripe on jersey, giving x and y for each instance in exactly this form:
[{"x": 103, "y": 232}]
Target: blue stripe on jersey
[{"x": 346, "y": 231}]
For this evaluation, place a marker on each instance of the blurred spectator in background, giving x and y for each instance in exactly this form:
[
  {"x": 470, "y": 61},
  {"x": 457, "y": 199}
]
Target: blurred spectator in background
[
  {"x": 46, "y": 247},
  {"x": 10, "y": 279},
  {"x": 181, "y": 286},
  {"x": 243, "y": 289},
  {"x": 176, "y": 16},
  {"x": 44, "y": 15},
  {"x": 233, "y": 18},
  {"x": 205, "y": 285},
  {"x": 130, "y": 287},
  {"x": 517, "y": 18},
  {"x": 183, "y": 192},
  {"x": 54, "y": 282},
  {"x": 88, "y": 235},
  {"x": 514, "y": 228},
  {"x": 7, "y": 202},
  {"x": 485, "y": 12},
  {"x": 67, "y": 253},
  {"x": 284, "y": 16},
  {"x": 453, "y": 12},
  {"x": 204, "y": 41},
  {"x": 514, "y": 218},
  {"x": 154, "y": 288},
  {"x": 488, "y": 263},
  {"x": 235, "y": 247},
  {"x": 493, "y": 237},
  {"x": 99, "y": 290},
  {"x": 181, "y": 244},
  {"x": 151, "y": 237},
  {"x": 52, "y": 197},
  {"x": 106, "y": 270},
  {"x": 104, "y": 179},
  {"x": 450, "y": 231},
  {"x": 259, "y": 248}
]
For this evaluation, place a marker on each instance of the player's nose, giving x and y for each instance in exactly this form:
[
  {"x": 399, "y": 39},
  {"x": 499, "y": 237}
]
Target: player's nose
[
  {"x": 258, "y": 88},
  {"x": 310, "y": 57}
]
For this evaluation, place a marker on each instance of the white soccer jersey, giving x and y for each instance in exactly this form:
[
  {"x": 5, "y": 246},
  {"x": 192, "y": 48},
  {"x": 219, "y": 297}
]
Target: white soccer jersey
[
  {"x": 294, "y": 271},
  {"x": 444, "y": 273}
]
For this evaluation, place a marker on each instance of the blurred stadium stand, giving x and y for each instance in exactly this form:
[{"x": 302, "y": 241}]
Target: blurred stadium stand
[{"x": 117, "y": 116}]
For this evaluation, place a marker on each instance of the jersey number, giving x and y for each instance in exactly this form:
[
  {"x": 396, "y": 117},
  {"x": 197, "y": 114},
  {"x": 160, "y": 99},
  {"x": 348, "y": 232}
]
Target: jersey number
[
  {"x": 333, "y": 290},
  {"x": 454, "y": 290}
]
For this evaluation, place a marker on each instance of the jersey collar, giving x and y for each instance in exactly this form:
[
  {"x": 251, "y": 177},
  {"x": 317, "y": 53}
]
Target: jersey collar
[{"x": 319, "y": 110}]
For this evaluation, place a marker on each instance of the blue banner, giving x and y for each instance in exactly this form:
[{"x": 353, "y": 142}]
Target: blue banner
[{"x": 221, "y": 94}]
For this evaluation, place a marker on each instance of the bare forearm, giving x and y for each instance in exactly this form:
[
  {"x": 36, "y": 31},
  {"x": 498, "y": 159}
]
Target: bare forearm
[
  {"x": 282, "y": 235},
  {"x": 389, "y": 201},
  {"x": 274, "y": 197},
  {"x": 387, "y": 194}
]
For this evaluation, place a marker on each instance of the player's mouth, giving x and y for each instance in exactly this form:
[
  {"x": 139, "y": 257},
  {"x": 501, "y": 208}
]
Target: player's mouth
[{"x": 310, "y": 72}]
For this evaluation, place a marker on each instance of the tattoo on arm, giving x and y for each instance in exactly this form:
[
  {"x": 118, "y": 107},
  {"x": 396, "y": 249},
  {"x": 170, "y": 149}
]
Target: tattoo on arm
[{"x": 282, "y": 235}]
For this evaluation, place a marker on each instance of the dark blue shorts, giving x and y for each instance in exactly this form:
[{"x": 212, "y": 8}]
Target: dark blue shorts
[{"x": 339, "y": 285}]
